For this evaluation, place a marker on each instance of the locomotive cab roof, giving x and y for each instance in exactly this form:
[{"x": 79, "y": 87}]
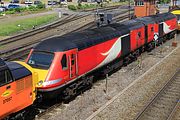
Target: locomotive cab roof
[
  {"x": 163, "y": 17},
  {"x": 146, "y": 20},
  {"x": 167, "y": 16},
  {"x": 132, "y": 24},
  {"x": 83, "y": 39}
]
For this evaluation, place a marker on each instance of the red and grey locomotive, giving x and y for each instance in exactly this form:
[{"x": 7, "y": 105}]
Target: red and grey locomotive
[{"x": 66, "y": 62}]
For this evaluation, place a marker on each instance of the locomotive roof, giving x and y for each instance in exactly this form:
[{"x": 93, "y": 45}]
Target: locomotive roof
[
  {"x": 167, "y": 16},
  {"x": 163, "y": 17},
  {"x": 83, "y": 39},
  {"x": 146, "y": 20},
  {"x": 132, "y": 24},
  {"x": 18, "y": 71}
]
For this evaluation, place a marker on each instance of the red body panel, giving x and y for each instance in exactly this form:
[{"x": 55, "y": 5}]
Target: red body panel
[
  {"x": 137, "y": 38},
  {"x": 96, "y": 53},
  {"x": 151, "y": 31},
  {"x": 93, "y": 54},
  {"x": 170, "y": 25}
]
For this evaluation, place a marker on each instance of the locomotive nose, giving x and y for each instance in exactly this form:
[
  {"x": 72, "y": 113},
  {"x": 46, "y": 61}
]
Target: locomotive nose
[{"x": 41, "y": 76}]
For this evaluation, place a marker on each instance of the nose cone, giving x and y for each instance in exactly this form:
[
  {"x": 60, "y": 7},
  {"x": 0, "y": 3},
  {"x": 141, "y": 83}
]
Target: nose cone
[{"x": 41, "y": 76}]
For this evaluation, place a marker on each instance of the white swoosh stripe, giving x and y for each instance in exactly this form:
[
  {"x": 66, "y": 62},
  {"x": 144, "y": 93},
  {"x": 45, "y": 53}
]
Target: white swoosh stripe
[{"x": 166, "y": 28}]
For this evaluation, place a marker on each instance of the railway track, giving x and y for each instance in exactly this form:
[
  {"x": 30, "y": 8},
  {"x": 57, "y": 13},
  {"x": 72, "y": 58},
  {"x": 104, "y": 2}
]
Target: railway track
[
  {"x": 164, "y": 103},
  {"x": 8, "y": 54},
  {"x": 102, "y": 8},
  {"x": 49, "y": 26},
  {"x": 20, "y": 52},
  {"x": 39, "y": 30}
]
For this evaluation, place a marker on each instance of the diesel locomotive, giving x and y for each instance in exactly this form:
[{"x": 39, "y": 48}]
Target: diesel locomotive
[
  {"x": 177, "y": 13},
  {"x": 17, "y": 87},
  {"x": 66, "y": 63}
]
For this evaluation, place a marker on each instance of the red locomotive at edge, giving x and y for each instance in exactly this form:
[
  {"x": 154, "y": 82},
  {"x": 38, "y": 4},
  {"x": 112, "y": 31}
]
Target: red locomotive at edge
[{"x": 66, "y": 63}]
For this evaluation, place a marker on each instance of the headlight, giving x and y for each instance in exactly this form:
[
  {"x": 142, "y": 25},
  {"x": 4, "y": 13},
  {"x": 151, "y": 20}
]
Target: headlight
[{"x": 40, "y": 83}]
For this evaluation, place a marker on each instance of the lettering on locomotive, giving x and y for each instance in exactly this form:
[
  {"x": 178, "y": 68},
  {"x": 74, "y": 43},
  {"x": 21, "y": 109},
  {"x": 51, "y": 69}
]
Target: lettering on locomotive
[{"x": 7, "y": 100}]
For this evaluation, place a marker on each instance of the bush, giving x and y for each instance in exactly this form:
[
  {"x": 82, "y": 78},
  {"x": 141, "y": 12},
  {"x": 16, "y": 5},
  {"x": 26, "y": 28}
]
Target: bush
[
  {"x": 17, "y": 9},
  {"x": 32, "y": 8},
  {"x": 86, "y": 6},
  {"x": 41, "y": 6},
  {"x": 92, "y": 6},
  {"x": 80, "y": 6},
  {"x": 72, "y": 7},
  {"x": 10, "y": 12}
]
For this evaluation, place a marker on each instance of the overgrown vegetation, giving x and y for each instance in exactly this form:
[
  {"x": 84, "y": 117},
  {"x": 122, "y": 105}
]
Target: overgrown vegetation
[
  {"x": 81, "y": 6},
  {"x": 24, "y": 9},
  {"x": 164, "y": 1},
  {"x": 7, "y": 28}
]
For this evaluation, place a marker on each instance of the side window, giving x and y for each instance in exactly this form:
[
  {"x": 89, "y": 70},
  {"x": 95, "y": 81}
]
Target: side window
[
  {"x": 5, "y": 77},
  {"x": 138, "y": 35},
  {"x": 72, "y": 59},
  {"x": 152, "y": 29},
  {"x": 8, "y": 76},
  {"x": 2, "y": 78},
  {"x": 64, "y": 62},
  {"x": 139, "y": 3}
]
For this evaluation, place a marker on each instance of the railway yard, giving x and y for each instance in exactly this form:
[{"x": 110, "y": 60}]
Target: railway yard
[{"x": 146, "y": 89}]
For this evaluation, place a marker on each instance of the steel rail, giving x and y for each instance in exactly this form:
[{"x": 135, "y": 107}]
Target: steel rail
[
  {"x": 15, "y": 53},
  {"x": 160, "y": 92}
]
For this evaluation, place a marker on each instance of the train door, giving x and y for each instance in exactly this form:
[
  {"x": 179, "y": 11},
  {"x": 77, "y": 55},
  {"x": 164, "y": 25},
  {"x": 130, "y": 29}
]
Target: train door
[
  {"x": 7, "y": 93},
  {"x": 161, "y": 29},
  {"x": 73, "y": 66},
  {"x": 146, "y": 34},
  {"x": 125, "y": 45},
  {"x": 139, "y": 38}
]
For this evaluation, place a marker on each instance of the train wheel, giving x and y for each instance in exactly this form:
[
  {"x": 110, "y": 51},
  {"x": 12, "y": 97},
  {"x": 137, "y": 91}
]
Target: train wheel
[
  {"x": 69, "y": 92},
  {"x": 88, "y": 81},
  {"x": 125, "y": 61}
]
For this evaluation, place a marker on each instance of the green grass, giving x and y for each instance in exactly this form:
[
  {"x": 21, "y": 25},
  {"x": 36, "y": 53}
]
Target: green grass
[{"x": 7, "y": 29}]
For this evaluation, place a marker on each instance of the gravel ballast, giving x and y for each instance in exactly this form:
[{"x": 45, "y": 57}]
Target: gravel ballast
[{"x": 127, "y": 104}]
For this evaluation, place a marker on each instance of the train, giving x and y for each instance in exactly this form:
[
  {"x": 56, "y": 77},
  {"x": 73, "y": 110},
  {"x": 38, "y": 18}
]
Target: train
[
  {"x": 62, "y": 66},
  {"x": 66, "y": 63},
  {"x": 177, "y": 13},
  {"x": 17, "y": 88}
]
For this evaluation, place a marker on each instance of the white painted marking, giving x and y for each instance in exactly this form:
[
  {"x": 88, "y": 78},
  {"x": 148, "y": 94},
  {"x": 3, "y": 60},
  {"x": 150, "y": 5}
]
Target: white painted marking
[
  {"x": 156, "y": 36},
  {"x": 166, "y": 28}
]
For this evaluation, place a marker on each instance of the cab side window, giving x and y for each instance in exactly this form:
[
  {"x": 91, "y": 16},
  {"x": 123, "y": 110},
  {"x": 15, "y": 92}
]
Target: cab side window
[
  {"x": 64, "y": 62},
  {"x": 5, "y": 77},
  {"x": 152, "y": 29},
  {"x": 138, "y": 35}
]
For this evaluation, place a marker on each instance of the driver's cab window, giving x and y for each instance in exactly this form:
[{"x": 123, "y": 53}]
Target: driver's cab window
[
  {"x": 5, "y": 77},
  {"x": 64, "y": 62}
]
